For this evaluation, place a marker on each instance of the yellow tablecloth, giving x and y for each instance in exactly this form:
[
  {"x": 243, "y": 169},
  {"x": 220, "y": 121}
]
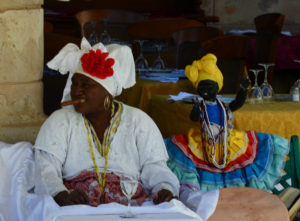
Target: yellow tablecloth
[
  {"x": 141, "y": 93},
  {"x": 279, "y": 118}
]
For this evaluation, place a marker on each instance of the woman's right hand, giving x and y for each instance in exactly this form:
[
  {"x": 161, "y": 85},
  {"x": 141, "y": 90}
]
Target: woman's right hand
[{"x": 75, "y": 197}]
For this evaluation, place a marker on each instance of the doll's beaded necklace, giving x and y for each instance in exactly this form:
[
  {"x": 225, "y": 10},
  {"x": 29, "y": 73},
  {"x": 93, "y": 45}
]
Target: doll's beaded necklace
[
  {"x": 103, "y": 149},
  {"x": 210, "y": 136}
]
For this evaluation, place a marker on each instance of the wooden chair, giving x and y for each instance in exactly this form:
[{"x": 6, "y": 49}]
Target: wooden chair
[
  {"x": 188, "y": 43},
  {"x": 48, "y": 27},
  {"x": 160, "y": 28},
  {"x": 187, "y": 52},
  {"x": 196, "y": 34},
  {"x": 118, "y": 20},
  {"x": 268, "y": 28},
  {"x": 231, "y": 52},
  {"x": 290, "y": 182},
  {"x": 53, "y": 42}
]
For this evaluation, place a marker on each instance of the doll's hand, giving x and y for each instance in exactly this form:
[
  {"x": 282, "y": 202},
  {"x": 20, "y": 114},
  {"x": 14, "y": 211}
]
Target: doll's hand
[
  {"x": 163, "y": 196},
  {"x": 241, "y": 96},
  {"x": 75, "y": 197},
  {"x": 245, "y": 83},
  {"x": 195, "y": 113}
]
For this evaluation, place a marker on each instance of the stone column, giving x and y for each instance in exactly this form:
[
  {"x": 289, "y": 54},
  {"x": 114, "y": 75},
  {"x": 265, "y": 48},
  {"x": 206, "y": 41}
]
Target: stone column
[{"x": 21, "y": 66}]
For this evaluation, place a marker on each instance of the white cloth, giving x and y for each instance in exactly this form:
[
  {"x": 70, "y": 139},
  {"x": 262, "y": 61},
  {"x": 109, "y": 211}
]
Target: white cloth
[
  {"x": 203, "y": 203},
  {"x": 137, "y": 150},
  {"x": 16, "y": 204},
  {"x": 68, "y": 61},
  {"x": 17, "y": 178},
  {"x": 173, "y": 210}
]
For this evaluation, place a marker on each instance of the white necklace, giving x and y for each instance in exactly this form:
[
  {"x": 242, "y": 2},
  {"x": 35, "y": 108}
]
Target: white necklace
[{"x": 211, "y": 137}]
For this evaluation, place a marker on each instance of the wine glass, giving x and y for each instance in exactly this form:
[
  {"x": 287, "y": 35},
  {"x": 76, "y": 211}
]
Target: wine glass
[
  {"x": 141, "y": 62},
  {"x": 93, "y": 37},
  {"x": 158, "y": 63},
  {"x": 129, "y": 188},
  {"x": 295, "y": 85},
  {"x": 255, "y": 94},
  {"x": 105, "y": 37},
  {"x": 266, "y": 88}
]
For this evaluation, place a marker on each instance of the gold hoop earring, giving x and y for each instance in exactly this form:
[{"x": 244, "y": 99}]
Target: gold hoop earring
[{"x": 106, "y": 103}]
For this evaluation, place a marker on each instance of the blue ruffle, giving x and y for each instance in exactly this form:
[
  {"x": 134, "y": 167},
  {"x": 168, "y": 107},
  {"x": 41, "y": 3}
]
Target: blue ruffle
[{"x": 263, "y": 173}]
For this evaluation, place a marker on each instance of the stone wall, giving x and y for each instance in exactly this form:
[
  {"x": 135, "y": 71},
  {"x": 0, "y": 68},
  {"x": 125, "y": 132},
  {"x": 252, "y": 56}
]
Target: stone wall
[
  {"x": 21, "y": 65},
  {"x": 240, "y": 14}
]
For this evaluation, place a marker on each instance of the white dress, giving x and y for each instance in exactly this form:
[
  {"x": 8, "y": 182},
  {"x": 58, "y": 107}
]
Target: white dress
[{"x": 137, "y": 151}]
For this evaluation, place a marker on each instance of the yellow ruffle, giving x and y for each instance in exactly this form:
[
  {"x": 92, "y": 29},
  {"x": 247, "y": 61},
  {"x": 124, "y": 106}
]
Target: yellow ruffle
[{"x": 238, "y": 143}]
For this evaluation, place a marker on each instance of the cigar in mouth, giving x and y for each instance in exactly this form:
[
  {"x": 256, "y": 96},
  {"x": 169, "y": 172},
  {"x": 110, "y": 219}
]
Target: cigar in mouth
[{"x": 66, "y": 103}]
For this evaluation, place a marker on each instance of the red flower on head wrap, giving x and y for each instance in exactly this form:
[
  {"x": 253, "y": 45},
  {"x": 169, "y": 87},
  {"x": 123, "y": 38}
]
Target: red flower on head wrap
[{"x": 96, "y": 64}]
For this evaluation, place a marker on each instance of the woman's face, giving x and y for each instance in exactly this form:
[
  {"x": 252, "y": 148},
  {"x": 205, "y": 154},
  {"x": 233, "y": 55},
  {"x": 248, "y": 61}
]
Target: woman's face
[
  {"x": 92, "y": 92},
  {"x": 208, "y": 90}
]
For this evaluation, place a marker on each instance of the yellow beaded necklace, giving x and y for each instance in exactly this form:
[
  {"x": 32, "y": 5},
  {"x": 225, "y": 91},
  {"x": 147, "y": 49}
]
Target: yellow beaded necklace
[{"x": 103, "y": 149}]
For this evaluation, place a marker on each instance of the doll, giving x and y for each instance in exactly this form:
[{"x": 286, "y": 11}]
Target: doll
[{"x": 215, "y": 155}]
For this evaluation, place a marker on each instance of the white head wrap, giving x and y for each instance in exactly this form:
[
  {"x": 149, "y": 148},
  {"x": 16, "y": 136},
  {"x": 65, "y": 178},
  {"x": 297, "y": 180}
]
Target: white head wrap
[{"x": 68, "y": 61}]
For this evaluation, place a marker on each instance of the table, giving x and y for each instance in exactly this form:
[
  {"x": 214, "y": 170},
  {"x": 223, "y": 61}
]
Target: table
[
  {"x": 141, "y": 93},
  {"x": 235, "y": 204},
  {"x": 248, "y": 204},
  {"x": 114, "y": 217},
  {"x": 278, "y": 118},
  {"x": 173, "y": 210}
]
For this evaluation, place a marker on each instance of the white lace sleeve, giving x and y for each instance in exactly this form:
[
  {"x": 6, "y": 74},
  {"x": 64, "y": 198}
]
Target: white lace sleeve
[{"x": 48, "y": 174}]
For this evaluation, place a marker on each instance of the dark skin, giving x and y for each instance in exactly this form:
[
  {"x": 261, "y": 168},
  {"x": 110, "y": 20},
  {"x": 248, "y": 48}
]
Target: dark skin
[
  {"x": 208, "y": 90},
  {"x": 94, "y": 94}
]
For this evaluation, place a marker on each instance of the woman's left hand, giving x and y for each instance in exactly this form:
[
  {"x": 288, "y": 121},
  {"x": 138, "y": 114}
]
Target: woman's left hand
[{"x": 163, "y": 196}]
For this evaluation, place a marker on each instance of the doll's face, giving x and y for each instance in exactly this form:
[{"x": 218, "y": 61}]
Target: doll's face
[{"x": 208, "y": 90}]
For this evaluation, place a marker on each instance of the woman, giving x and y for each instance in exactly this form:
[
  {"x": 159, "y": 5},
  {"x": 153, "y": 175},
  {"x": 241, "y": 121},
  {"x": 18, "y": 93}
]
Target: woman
[
  {"x": 216, "y": 155},
  {"x": 84, "y": 150}
]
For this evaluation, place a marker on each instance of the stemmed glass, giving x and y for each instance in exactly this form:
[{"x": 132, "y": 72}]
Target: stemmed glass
[
  {"x": 93, "y": 37},
  {"x": 129, "y": 188},
  {"x": 297, "y": 83},
  {"x": 255, "y": 95},
  {"x": 105, "y": 37},
  {"x": 266, "y": 88},
  {"x": 141, "y": 62},
  {"x": 158, "y": 63}
]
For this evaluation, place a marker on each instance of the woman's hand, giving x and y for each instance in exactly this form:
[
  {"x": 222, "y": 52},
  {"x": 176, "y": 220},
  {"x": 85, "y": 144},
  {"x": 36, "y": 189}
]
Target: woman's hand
[
  {"x": 75, "y": 197},
  {"x": 163, "y": 196}
]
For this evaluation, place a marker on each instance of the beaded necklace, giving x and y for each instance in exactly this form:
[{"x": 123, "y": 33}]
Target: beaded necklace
[
  {"x": 209, "y": 136},
  {"x": 102, "y": 148}
]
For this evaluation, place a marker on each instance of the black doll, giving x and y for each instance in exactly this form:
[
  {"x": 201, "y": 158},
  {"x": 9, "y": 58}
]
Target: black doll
[
  {"x": 208, "y": 90},
  {"x": 215, "y": 155}
]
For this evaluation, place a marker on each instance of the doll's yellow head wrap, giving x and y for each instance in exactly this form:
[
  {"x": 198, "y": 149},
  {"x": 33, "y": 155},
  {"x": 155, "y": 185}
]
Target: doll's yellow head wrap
[{"x": 204, "y": 69}]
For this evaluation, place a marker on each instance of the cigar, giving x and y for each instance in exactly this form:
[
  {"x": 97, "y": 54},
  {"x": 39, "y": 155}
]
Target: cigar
[{"x": 66, "y": 103}]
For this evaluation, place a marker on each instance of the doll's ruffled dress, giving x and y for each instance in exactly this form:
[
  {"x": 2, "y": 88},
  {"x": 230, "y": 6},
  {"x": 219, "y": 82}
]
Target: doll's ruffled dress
[{"x": 249, "y": 159}]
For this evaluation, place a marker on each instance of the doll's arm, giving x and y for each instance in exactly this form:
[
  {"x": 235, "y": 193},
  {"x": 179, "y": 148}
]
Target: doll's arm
[
  {"x": 241, "y": 96},
  {"x": 195, "y": 113}
]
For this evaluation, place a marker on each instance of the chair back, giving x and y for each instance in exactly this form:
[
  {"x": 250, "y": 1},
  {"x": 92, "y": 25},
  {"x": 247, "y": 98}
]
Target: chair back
[
  {"x": 196, "y": 34},
  {"x": 231, "y": 52},
  {"x": 117, "y": 19},
  {"x": 188, "y": 43},
  {"x": 53, "y": 42},
  {"x": 48, "y": 27},
  {"x": 160, "y": 28},
  {"x": 268, "y": 28}
]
